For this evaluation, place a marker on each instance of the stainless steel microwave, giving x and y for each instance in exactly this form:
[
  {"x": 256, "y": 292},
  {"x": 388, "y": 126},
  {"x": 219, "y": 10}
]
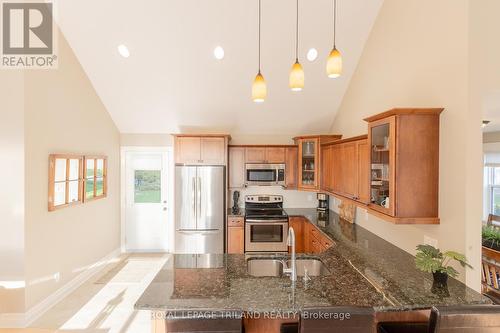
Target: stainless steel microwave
[{"x": 265, "y": 174}]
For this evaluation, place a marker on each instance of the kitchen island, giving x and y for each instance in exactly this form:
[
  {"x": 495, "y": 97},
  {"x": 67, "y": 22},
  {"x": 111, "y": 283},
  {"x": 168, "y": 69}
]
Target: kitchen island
[{"x": 364, "y": 270}]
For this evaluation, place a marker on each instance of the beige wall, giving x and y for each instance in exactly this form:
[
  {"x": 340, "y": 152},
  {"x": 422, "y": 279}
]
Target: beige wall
[
  {"x": 490, "y": 137},
  {"x": 418, "y": 56},
  {"x": 146, "y": 140},
  {"x": 12, "y": 195},
  {"x": 63, "y": 114}
]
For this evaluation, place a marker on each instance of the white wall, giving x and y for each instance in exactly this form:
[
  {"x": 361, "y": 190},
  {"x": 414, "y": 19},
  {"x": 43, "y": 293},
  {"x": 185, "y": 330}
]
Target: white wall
[
  {"x": 417, "y": 55},
  {"x": 12, "y": 194},
  {"x": 146, "y": 140},
  {"x": 63, "y": 114}
]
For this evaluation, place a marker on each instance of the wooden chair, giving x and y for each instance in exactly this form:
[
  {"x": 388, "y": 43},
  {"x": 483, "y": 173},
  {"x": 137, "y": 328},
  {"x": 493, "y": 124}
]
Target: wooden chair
[
  {"x": 465, "y": 319},
  {"x": 334, "y": 319},
  {"x": 493, "y": 220},
  {"x": 229, "y": 321}
]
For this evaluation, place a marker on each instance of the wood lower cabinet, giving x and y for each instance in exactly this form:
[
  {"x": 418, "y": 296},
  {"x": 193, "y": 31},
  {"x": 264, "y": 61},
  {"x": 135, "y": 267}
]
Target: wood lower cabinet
[
  {"x": 308, "y": 238},
  {"x": 235, "y": 234},
  {"x": 201, "y": 150},
  {"x": 291, "y": 158},
  {"x": 236, "y": 167},
  {"x": 298, "y": 224}
]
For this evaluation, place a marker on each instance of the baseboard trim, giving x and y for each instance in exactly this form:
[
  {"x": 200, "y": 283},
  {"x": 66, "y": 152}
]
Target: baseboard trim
[
  {"x": 12, "y": 320},
  {"x": 21, "y": 320}
]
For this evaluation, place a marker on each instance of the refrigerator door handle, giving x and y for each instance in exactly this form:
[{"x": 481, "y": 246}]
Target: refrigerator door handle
[
  {"x": 195, "y": 231},
  {"x": 193, "y": 180},
  {"x": 199, "y": 197}
]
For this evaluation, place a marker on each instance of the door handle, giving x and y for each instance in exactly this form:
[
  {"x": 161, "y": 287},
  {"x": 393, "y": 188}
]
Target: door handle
[
  {"x": 193, "y": 180},
  {"x": 199, "y": 196}
]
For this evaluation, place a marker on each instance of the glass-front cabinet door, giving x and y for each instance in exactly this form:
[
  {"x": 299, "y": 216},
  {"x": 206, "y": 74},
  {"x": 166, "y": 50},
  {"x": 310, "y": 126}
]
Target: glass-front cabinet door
[
  {"x": 308, "y": 163},
  {"x": 381, "y": 138}
]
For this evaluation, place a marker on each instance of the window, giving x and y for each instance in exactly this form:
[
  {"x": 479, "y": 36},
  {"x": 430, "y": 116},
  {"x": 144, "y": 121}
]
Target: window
[
  {"x": 147, "y": 186},
  {"x": 493, "y": 183},
  {"x": 95, "y": 174},
  {"x": 74, "y": 179},
  {"x": 65, "y": 180}
]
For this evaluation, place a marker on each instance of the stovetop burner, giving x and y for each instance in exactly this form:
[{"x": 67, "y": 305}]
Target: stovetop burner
[{"x": 264, "y": 207}]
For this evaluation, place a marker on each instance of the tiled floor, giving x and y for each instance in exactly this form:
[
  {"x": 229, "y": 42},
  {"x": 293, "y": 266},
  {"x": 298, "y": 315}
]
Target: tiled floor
[{"x": 104, "y": 304}]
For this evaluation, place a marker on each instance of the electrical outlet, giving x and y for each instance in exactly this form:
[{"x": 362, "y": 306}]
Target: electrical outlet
[{"x": 430, "y": 241}]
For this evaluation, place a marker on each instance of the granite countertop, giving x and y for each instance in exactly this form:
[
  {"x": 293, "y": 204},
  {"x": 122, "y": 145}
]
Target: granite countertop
[
  {"x": 365, "y": 271},
  {"x": 240, "y": 212}
]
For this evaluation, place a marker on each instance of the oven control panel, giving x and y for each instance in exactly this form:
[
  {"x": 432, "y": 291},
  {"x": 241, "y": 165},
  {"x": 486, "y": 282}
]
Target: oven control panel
[{"x": 263, "y": 198}]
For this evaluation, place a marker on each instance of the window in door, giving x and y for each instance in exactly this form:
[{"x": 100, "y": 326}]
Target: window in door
[
  {"x": 65, "y": 180},
  {"x": 147, "y": 186},
  {"x": 95, "y": 185}
]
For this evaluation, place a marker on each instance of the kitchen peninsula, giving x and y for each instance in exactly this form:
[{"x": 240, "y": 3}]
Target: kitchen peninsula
[{"x": 364, "y": 271}]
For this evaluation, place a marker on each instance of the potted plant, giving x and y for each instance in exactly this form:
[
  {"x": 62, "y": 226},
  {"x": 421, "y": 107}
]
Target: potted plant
[
  {"x": 491, "y": 237},
  {"x": 432, "y": 260}
]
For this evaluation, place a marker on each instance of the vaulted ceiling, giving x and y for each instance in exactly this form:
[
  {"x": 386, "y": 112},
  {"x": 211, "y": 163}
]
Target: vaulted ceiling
[{"x": 172, "y": 83}]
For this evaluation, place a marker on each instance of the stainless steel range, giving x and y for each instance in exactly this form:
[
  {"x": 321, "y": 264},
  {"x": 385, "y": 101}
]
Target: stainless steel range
[{"x": 266, "y": 224}]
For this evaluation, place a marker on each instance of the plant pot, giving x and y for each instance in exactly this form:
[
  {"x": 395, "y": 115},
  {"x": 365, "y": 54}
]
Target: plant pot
[
  {"x": 491, "y": 245},
  {"x": 440, "y": 278},
  {"x": 440, "y": 284}
]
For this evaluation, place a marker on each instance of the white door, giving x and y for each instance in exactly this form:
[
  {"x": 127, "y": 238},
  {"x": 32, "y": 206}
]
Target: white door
[{"x": 147, "y": 201}]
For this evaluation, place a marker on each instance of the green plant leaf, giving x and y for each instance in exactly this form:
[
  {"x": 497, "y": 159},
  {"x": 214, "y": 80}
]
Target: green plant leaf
[
  {"x": 426, "y": 263},
  {"x": 429, "y": 251},
  {"x": 458, "y": 257}
]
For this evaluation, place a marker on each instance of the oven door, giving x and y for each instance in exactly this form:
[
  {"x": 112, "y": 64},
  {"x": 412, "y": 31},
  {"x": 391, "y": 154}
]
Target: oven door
[{"x": 266, "y": 236}]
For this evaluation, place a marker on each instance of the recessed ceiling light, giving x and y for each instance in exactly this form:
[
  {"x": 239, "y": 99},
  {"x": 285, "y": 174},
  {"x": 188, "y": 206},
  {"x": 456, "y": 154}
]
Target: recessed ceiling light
[
  {"x": 312, "y": 54},
  {"x": 219, "y": 53},
  {"x": 485, "y": 123},
  {"x": 123, "y": 50}
]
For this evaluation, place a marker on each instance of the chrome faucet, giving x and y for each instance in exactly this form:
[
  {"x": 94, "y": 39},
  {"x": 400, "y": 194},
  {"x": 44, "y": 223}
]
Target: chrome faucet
[{"x": 291, "y": 242}]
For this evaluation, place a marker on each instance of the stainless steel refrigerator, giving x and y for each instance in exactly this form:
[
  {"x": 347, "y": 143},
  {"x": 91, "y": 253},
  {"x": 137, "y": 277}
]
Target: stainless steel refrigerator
[{"x": 199, "y": 209}]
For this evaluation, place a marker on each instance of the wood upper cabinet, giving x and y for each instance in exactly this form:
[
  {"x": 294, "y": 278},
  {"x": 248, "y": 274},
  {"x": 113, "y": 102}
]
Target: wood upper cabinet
[
  {"x": 327, "y": 168},
  {"x": 255, "y": 155},
  {"x": 404, "y": 164},
  {"x": 236, "y": 167},
  {"x": 187, "y": 150},
  {"x": 213, "y": 151},
  {"x": 265, "y": 154},
  {"x": 202, "y": 150},
  {"x": 291, "y": 156},
  {"x": 275, "y": 155},
  {"x": 309, "y": 160},
  {"x": 345, "y": 168},
  {"x": 363, "y": 171}
]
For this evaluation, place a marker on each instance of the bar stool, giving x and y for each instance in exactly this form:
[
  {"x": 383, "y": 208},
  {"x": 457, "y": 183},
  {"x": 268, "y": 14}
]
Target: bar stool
[
  {"x": 198, "y": 321},
  {"x": 451, "y": 319},
  {"x": 465, "y": 319},
  {"x": 337, "y": 319}
]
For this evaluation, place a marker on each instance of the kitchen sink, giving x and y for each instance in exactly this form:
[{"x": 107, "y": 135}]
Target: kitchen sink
[
  {"x": 315, "y": 267},
  {"x": 264, "y": 267},
  {"x": 274, "y": 267}
]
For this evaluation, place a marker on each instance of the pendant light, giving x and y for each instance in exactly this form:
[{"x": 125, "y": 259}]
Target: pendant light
[
  {"x": 334, "y": 61},
  {"x": 259, "y": 89},
  {"x": 296, "y": 79}
]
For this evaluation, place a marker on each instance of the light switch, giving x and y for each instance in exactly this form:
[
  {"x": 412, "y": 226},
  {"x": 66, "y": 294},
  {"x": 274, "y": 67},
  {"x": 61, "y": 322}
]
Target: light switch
[{"x": 430, "y": 241}]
